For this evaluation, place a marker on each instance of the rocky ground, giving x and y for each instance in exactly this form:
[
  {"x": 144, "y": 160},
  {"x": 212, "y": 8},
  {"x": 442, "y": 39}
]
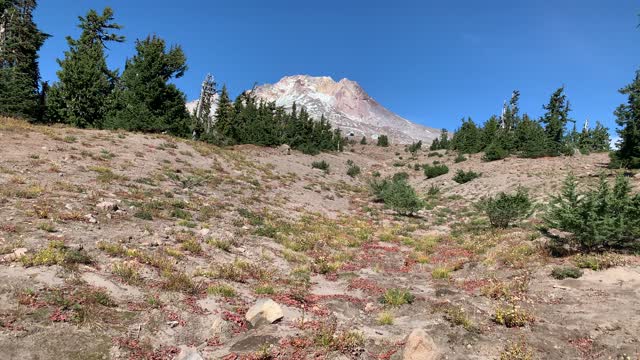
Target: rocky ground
[{"x": 130, "y": 246}]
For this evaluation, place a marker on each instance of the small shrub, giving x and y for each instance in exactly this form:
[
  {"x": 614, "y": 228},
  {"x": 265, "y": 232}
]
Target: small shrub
[
  {"x": 144, "y": 214},
  {"x": 402, "y": 198},
  {"x": 561, "y": 273},
  {"x": 435, "y": 154},
  {"x": 512, "y": 316},
  {"x": 504, "y": 209},
  {"x": 460, "y": 158},
  {"x": 494, "y": 152},
  {"x": 463, "y": 177},
  {"x": 457, "y": 316},
  {"x": 47, "y": 226},
  {"x": 441, "y": 273},
  {"x": 223, "y": 290},
  {"x": 397, "y": 297},
  {"x": 181, "y": 214},
  {"x": 264, "y": 290},
  {"x": 178, "y": 281},
  {"x": 192, "y": 246},
  {"x": 401, "y": 176},
  {"x": 353, "y": 170},
  {"x": 434, "y": 190},
  {"x": 127, "y": 273},
  {"x": 321, "y": 165},
  {"x": 224, "y": 245},
  {"x": 385, "y": 318},
  {"x": 56, "y": 253},
  {"x": 516, "y": 351},
  {"x": 598, "y": 262},
  {"x": 383, "y": 141},
  {"x": 414, "y": 147},
  {"x": 432, "y": 171},
  {"x": 106, "y": 175}
]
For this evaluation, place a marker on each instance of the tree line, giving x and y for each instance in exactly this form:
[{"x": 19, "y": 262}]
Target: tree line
[
  {"x": 515, "y": 134},
  {"x": 142, "y": 98}
]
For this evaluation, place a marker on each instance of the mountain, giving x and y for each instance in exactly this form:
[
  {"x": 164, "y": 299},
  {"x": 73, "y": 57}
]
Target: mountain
[{"x": 346, "y": 105}]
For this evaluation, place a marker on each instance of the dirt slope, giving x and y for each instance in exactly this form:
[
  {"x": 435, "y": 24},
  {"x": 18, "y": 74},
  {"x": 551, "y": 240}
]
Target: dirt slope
[{"x": 131, "y": 246}]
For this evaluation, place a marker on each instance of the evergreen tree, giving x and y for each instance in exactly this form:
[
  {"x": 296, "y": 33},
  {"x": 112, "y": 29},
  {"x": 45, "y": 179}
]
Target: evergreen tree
[
  {"x": 600, "y": 140},
  {"x": 225, "y": 114},
  {"x": 85, "y": 82},
  {"x": 363, "y": 141},
  {"x": 435, "y": 145},
  {"x": 556, "y": 118},
  {"x": 20, "y": 41},
  {"x": 383, "y": 141},
  {"x": 489, "y": 131},
  {"x": 628, "y": 118},
  {"x": 467, "y": 139},
  {"x": 511, "y": 117},
  {"x": 143, "y": 99},
  {"x": 531, "y": 138},
  {"x": 444, "y": 139}
]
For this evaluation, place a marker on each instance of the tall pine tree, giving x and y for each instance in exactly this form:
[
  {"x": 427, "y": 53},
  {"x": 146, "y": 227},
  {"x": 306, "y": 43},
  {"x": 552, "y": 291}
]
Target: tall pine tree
[
  {"x": 628, "y": 118},
  {"x": 224, "y": 119},
  {"x": 555, "y": 119},
  {"x": 20, "y": 41},
  {"x": 85, "y": 82},
  {"x": 144, "y": 100}
]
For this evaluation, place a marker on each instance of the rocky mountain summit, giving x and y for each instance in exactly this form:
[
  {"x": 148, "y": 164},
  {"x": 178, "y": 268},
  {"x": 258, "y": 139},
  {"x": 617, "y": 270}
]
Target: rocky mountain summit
[{"x": 346, "y": 105}]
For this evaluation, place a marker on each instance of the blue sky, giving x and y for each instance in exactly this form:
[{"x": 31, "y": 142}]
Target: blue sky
[{"x": 432, "y": 62}]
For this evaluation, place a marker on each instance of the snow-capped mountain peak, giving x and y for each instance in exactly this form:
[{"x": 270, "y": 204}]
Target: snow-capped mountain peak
[{"x": 346, "y": 105}]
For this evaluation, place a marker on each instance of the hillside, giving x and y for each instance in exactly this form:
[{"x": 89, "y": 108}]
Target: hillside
[{"x": 117, "y": 245}]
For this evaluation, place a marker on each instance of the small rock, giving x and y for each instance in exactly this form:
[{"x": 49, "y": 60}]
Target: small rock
[
  {"x": 90, "y": 218},
  {"x": 20, "y": 252},
  {"x": 68, "y": 206},
  {"x": 419, "y": 346},
  {"x": 221, "y": 328},
  {"x": 265, "y": 311},
  {"x": 370, "y": 307},
  {"x": 107, "y": 206},
  {"x": 189, "y": 353},
  {"x": 173, "y": 324},
  {"x": 205, "y": 232}
]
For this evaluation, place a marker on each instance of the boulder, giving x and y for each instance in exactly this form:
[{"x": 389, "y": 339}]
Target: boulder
[
  {"x": 265, "y": 311},
  {"x": 285, "y": 149},
  {"x": 419, "y": 346},
  {"x": 221, "y": 328}
]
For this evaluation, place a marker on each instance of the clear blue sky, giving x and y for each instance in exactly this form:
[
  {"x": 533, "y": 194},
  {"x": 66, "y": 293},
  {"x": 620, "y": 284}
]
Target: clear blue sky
[{"x": 432, "y": 62}]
